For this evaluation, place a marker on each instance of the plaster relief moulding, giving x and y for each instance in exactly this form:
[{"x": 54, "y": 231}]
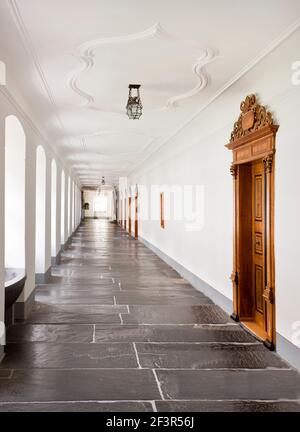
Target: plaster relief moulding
[{"x": 86, "y": 55}]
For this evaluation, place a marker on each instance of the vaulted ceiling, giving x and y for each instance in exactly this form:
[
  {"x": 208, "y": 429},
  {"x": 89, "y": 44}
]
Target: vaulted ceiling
[{"x": 72, "y": 61}]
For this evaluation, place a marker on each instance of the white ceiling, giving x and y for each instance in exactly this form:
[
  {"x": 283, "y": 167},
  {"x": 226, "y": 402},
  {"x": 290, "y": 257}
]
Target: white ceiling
[{"x": 72, "y": 61}]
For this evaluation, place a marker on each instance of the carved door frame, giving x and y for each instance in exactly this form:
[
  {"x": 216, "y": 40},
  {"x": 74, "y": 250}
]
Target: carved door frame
[{"x": 253, "y": 138}]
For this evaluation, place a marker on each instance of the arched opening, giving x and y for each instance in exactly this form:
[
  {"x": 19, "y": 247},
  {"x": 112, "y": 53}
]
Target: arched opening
[
  {"x": 40, "y": 224},
  {"x": 53, "y": 207},
  {"x": 15, "y": 147},
  {"x": 62, "y": 227}
]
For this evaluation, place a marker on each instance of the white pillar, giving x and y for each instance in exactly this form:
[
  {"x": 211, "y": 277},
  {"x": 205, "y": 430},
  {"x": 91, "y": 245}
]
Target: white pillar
[
  {"x": 58, "y": 209},
  {"x": 66, "y": 230},
  {"x": 62, "y": 206},
  {"x": 69, "y": 206},
  {"x": 73, "y": 206},
  {"x": 2, "y": 208},
  {"x": 53, "y": 207},
  {"x": 79, "y": 205},
  {"x": 48, "y": 215},
  {"x": 30, "y": 201}
]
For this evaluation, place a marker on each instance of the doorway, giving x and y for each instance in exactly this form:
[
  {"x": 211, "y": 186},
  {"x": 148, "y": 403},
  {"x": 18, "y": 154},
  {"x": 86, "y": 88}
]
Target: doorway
[
  {"x": 252, "y": 246},
  {"x": 253, "y": 277}
]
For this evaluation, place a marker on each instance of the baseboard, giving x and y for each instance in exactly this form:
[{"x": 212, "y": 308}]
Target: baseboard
[
  {"x": 56, "y": 260},
  {"x": 288, "y": 351},
  {"x": 43, "y": 278},
  {"x": 218, "y": 298},
  {"x": 23, "y": 309},
  {"x": 67, "y": 244}
]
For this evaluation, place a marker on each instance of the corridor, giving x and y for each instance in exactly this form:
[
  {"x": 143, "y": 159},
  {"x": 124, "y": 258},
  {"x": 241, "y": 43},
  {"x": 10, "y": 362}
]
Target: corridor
[{"x": 117, "y": 329}]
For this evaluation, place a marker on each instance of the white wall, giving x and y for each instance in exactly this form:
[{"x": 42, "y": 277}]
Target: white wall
[{"x": 196, "y": 155}]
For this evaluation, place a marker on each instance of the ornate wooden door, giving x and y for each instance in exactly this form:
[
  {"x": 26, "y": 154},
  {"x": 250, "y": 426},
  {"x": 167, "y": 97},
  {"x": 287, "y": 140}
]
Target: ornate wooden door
[{"x": 253, "y": 278}]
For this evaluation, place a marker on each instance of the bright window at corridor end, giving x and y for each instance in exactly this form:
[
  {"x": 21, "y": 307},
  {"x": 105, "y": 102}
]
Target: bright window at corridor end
[{"x": 100, "y": 204}]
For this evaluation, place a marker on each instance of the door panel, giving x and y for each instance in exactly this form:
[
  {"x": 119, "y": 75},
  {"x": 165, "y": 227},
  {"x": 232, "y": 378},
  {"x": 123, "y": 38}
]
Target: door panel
[
  {"x": 258, "y": 288},
  {"x": 258, "y": 243}
]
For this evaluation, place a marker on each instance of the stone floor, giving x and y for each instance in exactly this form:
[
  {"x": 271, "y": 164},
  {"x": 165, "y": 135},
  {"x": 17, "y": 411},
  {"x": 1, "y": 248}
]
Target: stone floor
[{"x": 117, "y": 329}]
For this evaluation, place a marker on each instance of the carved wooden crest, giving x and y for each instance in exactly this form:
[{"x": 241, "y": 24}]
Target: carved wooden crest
[{"x": 252, "y": 118}]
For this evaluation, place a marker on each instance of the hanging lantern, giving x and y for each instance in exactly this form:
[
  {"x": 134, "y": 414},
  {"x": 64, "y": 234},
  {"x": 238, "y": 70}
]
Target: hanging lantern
[{"x": 134, "y": 105}]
